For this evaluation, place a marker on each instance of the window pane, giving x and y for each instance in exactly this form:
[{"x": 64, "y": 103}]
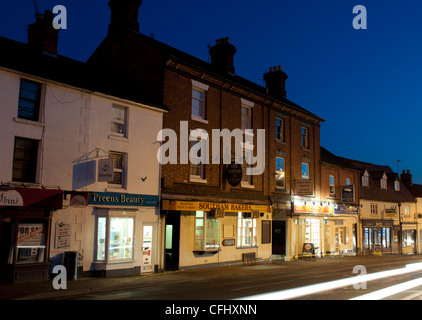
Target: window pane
[
  {"x": 25, "y": 160},
  {"x": 305, "y": 171},
  {"x": 121, "y": 238},
  {"x": 29, "y": 100},
  {"x": 101, "y": 239}
]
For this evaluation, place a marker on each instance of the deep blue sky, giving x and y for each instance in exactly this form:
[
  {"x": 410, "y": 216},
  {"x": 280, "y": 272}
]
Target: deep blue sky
[{"x": 366, "y": 84}]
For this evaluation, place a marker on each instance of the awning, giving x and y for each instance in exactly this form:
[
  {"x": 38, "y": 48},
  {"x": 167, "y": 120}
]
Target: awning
[{"x": 31, "y": 197}]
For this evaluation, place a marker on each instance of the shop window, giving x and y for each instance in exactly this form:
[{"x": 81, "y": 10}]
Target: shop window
[
  {"x": 207, "y": 232},
  {"x": 246, "y": 230},
  {"x": 114, "y": 238},
  {"x": 30, "y": 243},
  {"x": 25, "y": 160},
  {"x": 343, "y": 235},
  {"x": 119, "y": 168},
  {"x": 280, "y": 173},
  {"x": 409, "y": 237},
  {"x": 29, "y": 100},
  {"x": 119, "y": 121}
]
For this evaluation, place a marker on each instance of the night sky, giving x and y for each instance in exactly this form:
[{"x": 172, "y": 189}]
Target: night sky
[{"x": 366, "y": 84}]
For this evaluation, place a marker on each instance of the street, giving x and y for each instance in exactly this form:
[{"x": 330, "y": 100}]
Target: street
[{"x": 277, "y": 281}]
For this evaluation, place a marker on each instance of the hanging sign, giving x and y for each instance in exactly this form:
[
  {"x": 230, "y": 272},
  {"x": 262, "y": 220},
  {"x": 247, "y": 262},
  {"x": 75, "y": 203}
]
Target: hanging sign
[{"x": 106, "y": 170}]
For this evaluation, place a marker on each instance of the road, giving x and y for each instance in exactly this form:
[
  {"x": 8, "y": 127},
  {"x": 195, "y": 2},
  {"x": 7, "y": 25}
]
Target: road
[{"x": 278, "y": 284}]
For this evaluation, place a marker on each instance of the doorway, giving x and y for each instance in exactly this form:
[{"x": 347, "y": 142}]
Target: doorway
[
  {"x": 279, "y": 237},
  {"x": 172, "y": 241}
]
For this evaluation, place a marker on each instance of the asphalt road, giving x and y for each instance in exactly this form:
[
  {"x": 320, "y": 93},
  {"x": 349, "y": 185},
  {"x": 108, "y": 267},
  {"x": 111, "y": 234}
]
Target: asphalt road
[{"x": 240, "y": 287}]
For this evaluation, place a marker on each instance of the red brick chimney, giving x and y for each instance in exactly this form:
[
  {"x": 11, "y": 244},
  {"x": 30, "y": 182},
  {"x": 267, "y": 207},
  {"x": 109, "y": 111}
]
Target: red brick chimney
[
  {"x": 275, "y": 81},
  {"x": 406, "y": 178},
  {"x": 222, "y": 55},
  {"x": 41, "y": 33},
  {"x": 124, "y": 15}
]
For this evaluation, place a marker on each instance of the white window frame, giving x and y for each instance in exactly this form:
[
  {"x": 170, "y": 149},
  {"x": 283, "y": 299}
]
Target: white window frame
[
  {"x": 247, "y": 116},
  {"x": 246, "y": 235},
  {"x": 122, "y": 171},
  {"x": 203, "y": 216},
  {"x": 120, "y": 122},
  {"x": 365, "y": 179},
  {"x": 374, "y": 209}
]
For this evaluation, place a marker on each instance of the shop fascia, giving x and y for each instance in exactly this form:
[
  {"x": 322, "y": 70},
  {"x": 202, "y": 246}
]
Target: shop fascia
[
  {"x": 199, "y": 153},
  {"x": 324, "y": 207}
]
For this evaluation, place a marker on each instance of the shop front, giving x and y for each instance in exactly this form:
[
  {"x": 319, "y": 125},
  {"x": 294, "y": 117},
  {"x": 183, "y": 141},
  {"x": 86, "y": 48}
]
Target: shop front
[
  {"x": 206, "y": 233},
  {"x": 409, "y": 242},
  {"x": 380, "y": 237},
  {"x": 115, "y": 234},
  {"x": 25, "y": 215},
  {"x": 329, "y": 229}
]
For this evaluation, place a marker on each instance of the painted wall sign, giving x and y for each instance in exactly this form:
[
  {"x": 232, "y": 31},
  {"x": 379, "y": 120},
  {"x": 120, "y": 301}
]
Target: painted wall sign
[
  {"x": 304, "y": 188},
  {"x": 122, "y": 199}
]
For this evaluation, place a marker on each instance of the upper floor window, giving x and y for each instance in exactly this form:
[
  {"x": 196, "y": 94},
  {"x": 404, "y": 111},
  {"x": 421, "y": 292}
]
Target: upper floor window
[
  {"x": 119, "y": 168},
  {"x": 332, "y": 186},
  {"x": 29, "y": 100},
  {"x": 25, "y": 158},
  {"x": 365, "y": 179},
  {"x": 397, "y": 185},
  {"x": 304, "y": 137},
  {"x": 119, "y": 121},
  {"x": 374, "y": 208},
  {"x": 348, "y": 182},
  {"x": 406, "y": 211},
  {"x": 280, "y": 173},
  {"x": 279, "y": 129},
  {"x": 246, "y": 117},
  {"x": 246, "y": 178},
  {"x": 305, "y": 171},
  {"x": 384, "y": 182},
  {"x": 197, "y": 166},
  {"x": 198, "y": 103}
]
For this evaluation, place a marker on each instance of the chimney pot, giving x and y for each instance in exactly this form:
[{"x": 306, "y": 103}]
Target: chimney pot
[
  {"x": 41, "y": 33},
  {"x": 271, "y": 69},
  {"x": 228, "y": 39},
  {"x": 275, "y": 81},
  {"x": 222, "y": 55},
  {"x": 124, "y": 15}
]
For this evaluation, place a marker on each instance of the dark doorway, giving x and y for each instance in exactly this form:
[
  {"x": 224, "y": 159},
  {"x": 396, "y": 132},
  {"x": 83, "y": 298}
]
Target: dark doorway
[
  {"x": 172, "y": 240},
  {"x": 279, "y": 237}
]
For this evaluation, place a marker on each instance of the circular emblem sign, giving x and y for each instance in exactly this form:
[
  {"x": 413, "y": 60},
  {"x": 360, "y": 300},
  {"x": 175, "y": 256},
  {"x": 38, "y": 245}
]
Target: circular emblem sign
[{"x": 234, "y": 174}]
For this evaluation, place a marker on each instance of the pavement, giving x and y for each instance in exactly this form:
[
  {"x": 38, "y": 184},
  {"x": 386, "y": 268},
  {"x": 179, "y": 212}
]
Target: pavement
[{"x": 84, "y": 286}]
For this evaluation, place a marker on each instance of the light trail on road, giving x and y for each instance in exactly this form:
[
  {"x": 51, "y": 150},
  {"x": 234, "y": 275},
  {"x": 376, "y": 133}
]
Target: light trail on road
[{"x": 330, "y": 285}]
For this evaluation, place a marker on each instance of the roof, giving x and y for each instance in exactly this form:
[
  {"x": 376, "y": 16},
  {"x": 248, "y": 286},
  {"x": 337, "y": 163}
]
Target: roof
[
  {"x": 172, "y": 53},
  {"x": 374, "y": 190},
  {"x": 330, "y": 158},
  {"x": 23, "y": 58}
]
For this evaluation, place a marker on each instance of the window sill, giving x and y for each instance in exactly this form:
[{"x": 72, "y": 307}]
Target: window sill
[
  {"x": 280, "y": 189},
  {"x": 306, "y": 149},
  {"x": 197, "y": 179},
  {"x": 280, "y": 142},
  {"x": 30, "y": 122},
  {"x": 201, "y": 252},
  {"x": 199, "y": 119},
  {"x": 247, "y": 185},
  {"x": 118, "y": 138}
]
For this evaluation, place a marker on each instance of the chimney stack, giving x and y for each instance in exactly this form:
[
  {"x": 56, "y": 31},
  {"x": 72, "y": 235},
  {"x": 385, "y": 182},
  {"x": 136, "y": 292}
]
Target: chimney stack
[
  {"x": 41, "y": 33},
  {"x": 124, "y": 15},
  {"x": 222, "y": 55},
  {"x": 275, "y": 81},
  {"x": 406, "y": 178}
]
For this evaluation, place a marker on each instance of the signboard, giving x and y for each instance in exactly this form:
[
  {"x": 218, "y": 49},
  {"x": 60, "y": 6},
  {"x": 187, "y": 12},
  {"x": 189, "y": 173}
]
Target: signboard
[
  {"x": 313, "y": 207},
  {"x": 78, "y": 200},
  {"x": 30, "y": 234},
  {"x": 304, "y": 188},
  {"x": 347, "y": 194},
  {"x": 11, "y": 198},
  {"x": 234, "y": 174},
  {"x": 308, "y": 250},
  {"x": 229, "y": 242},
  {"x": 105, "y": 170},
  {"x": 346, "y": 209},
  {"x": 207, "y": 206},
  {"x": 122, "y": 199},
  {"x": 390, "y": 212},
  {"x": 62, "y": 235}
]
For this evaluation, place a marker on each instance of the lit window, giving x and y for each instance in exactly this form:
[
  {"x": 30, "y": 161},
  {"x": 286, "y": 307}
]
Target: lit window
[
  {"x": 119, "y": 168},
  {"x": 304, "y": 137},
  {"x": 119, "y": 243},
  {"x": 207, "y": 232},
  {"x": 332, "y": 186},
  {"x": 198, "y": 103},
  {"x": 305, "y": 171},
  {"x": 280, "y": 173},
  {"x": 246, "y": 230},
  {"x": 118, "y": 121},
  {"x": 29, "y": 100},
  {"x": 348, "y": 182},
  {"x": 406, "y": 211}
]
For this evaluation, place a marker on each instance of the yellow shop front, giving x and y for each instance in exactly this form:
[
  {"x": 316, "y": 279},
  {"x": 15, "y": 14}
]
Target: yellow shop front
[{"x": 200, "y": 233}]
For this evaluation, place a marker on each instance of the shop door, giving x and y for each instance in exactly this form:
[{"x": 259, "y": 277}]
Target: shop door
[
  {"x": 148, "y": 248},
  {"x": 279, "y": 237},
  {"x": 171, "y": 241}
]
